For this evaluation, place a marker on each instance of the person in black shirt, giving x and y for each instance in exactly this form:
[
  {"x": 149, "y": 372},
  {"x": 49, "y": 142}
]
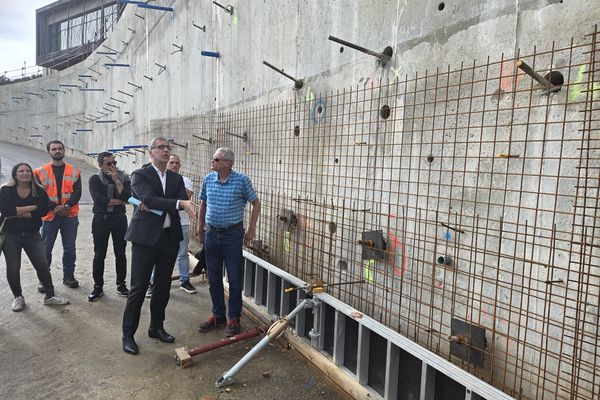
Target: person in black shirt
[
  {"x": 110, "y": 190},
  {"x": 23, "y": 203}
]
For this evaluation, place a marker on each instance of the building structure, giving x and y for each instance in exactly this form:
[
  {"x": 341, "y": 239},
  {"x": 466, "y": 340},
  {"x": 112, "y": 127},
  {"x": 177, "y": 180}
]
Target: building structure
[{"x": 455, "y": 183}]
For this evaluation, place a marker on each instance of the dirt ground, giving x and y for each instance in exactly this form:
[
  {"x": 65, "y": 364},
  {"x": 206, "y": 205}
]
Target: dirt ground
[{"x": 74, "y": 351}]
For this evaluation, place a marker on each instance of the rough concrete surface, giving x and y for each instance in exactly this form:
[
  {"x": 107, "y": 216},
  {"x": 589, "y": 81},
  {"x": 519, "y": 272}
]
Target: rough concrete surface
[{"x": 74, "y": 351}]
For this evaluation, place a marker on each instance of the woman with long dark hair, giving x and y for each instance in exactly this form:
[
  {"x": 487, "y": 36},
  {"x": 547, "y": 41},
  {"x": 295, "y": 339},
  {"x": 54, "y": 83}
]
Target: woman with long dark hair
[{"x": 23, "y": 203}]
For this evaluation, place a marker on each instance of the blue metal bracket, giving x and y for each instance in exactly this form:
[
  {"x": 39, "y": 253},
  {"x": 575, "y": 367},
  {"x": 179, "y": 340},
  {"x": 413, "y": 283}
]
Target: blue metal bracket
[{"x": 214, "y": 54}]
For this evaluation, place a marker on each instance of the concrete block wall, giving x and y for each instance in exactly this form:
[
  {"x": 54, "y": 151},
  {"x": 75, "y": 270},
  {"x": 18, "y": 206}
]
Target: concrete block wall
[{"x": 428, "y": 176}]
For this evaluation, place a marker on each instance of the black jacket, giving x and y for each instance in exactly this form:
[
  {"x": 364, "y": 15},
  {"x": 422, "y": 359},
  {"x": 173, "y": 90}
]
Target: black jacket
[
  {"x": 145, "y": 227},
  {"x": 99, "y": 192},
  {"x": 10, "y": 200}
]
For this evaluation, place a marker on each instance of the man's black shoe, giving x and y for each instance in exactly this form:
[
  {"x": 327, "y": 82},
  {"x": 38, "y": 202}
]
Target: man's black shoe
[
  {"x": 160, "y": 334},
  {"x": 96, "y": 294},
  {"x": 71, "y": 282},
  {"x": 122, "y": 290},
  {"x": 187, "y": 287},
  {"x": 129, "y": 345}
]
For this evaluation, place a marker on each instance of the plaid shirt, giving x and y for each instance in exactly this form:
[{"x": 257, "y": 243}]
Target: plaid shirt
[{"x": 225, "y": 201}]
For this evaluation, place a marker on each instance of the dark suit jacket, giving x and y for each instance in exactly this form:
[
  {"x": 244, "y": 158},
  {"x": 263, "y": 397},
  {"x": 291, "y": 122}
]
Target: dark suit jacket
[{"x": 145, "y": 227}]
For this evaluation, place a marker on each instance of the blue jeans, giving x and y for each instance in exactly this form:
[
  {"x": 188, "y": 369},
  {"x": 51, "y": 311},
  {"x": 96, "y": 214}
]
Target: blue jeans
[
  {"x": 183, "y": 260},
  {"x": 68, "y": 233},
  {"x": 225, "y": 247}
]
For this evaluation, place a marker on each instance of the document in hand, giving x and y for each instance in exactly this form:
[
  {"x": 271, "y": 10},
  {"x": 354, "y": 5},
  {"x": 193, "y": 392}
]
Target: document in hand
[{"x": 137, "y": 202}]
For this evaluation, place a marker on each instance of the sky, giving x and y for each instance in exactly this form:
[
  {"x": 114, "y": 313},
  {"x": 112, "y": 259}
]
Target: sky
[{"x": 17, "y": 33}]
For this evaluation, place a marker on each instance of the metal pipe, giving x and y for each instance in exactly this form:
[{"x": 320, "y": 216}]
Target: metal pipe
[
  {"x": 93, "y": 70},
  {"x": 298, "y": 83},
  {"x": 162, "y": 67},
  {"x": 202, "y": 28},
  {"x": 120, "y": 101},
  {"x": 185, "y": 146},
  {"x": 134, "y": 85},
  {"x": 125, "y": 93},
  {"x": 244, "y": 137},
  {"x": 184, "y": 356},
  {"x": 529, "y": 71},
  {"x": 276, "y": 330},
  {"x": 108, "y": 48},
  {"x": 452, "y": 227},
  {"x": 116, "y": 65},
  {"x": 228, "y": 9},
  {"x": 444, "y": 260},
  {"x": 209, "y": 140},
  {"x": 382, "y": 57},
  {"x": 179, "y": 48},
  {"x": 153, "y": 7}
]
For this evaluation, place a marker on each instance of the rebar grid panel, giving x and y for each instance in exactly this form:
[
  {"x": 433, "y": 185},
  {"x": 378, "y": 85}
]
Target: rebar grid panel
[{"x": 474, "y": 164}]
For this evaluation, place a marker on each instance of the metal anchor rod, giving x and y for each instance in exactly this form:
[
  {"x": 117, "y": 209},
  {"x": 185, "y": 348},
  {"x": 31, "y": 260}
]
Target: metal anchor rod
[
  {"x": 529, "y": 71},
  {"x": 209, "y": 140},
  {"x": 228, "y": 9},
  {"x": 243, "y": 137},
  {"x": 382, "y": 57},
  {"x": 298, "y": 83}
]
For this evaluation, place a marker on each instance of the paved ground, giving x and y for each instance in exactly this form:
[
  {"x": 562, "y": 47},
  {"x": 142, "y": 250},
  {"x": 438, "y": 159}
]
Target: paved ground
[{"x": 74, "y": 352}]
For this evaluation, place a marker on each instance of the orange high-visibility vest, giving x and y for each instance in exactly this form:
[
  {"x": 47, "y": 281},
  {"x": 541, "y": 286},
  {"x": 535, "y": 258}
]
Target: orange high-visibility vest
[{"x": 46, "y": 177}]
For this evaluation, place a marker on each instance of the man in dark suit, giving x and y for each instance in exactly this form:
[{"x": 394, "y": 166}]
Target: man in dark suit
[{"x": 154, "y": 241}]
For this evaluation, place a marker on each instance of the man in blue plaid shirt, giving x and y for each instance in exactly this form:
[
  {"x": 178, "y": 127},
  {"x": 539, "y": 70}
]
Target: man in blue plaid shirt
[{"x": 223, "y": 198}]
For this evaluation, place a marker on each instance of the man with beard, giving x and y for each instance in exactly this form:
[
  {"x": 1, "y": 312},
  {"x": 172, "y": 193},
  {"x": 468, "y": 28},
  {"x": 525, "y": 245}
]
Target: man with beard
[
  {"x": 62, "y": 182},
  {"x": 110, "y": 189}
]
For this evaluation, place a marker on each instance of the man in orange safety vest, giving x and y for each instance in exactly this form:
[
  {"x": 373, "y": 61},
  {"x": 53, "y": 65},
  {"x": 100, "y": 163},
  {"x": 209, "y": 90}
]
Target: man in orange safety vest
[{"x": 62, "y": 182}]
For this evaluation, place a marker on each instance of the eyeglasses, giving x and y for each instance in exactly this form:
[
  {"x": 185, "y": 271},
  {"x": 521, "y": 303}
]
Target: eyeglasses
[
  {"x": 162, "y": 147},
  {"x": 109, "y": 163},
  {"x": 220, "y": 159}
]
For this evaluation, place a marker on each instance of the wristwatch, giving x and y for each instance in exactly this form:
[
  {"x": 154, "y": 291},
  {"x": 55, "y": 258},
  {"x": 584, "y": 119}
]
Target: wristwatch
[{"x": 67, "y": 206}]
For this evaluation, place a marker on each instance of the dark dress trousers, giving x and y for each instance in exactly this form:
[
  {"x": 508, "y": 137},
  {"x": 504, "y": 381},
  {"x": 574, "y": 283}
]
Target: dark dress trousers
[{"x": 152, "y": 245}]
